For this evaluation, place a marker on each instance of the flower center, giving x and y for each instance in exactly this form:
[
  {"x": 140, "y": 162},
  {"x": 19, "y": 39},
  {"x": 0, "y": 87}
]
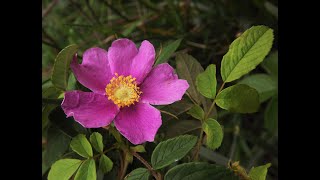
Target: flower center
[{"x": 123, "y": 90}]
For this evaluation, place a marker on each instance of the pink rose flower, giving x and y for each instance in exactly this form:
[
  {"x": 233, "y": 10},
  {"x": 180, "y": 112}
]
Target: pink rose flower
[{"x": 124, "y": 86}]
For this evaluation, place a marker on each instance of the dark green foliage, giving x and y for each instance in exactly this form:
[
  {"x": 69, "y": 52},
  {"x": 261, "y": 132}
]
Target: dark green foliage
[{"x": 203, "y": 29}]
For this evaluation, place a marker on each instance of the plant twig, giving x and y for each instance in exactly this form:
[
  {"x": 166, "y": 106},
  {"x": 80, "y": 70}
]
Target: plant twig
[
  {"x": 194, "y": 102},
  {"x": 51, "y": 45},
  {"x": 117, "y": 12},
  {"x": 165, "y": 112},
  {"x": 95, "y": 17},
  {"x": 197, "y": 45},
  {"x": 51, "y": 42},
  {"x": 49, "y": 8},
  {"x": 148, "y": 166},
  {"x": 78, "y": 6},
  {"x": 193, "y": 129}
]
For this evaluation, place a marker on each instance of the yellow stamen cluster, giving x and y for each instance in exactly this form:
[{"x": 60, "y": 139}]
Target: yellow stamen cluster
[{"x": 123, "y": 90}]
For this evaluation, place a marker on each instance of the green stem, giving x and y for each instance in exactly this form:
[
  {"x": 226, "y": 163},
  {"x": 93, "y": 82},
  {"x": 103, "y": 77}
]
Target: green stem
[
  {"x": 189, "y": 130},
  {"x": 165, "y": 112},
  {"x": 45, "y": 81},
  {"x": 197, "y": 150},
  {"x": 196, "y": 154},
  {"x": 105, "y": 151},
  {"x": 214, "y": 102},
  {"x": 124, "y": 167},
  {"x": 194, "y": 102}
]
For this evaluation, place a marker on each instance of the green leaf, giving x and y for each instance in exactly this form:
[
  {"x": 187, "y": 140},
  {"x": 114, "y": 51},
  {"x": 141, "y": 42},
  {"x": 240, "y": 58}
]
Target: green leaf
[
  {"x": 199, "y": 171},
  {"x": 259, "y": 173},
  {"x": 46, "y": 84},
  {"x": 87, "y": 171},
  {"x": 72, "y": 81},
  {"x": 246, "y": 52},
  {"x": 138, "y": 174},
  {"x": 81, "y": 145},
  {"x": 263, "y": 83},
  {"x": 60, "y": 73},
  {"x": 63, "y": 169},
  {"x": 189, "y": 68},
  {"x": 271, "y": 115},
  {"x": 105, "y": 163},
  {"x": 138, "y": 148},
  {"x": 115, "y": 134},
  {"x": 197, "y": 112},
  {"x": 172, "y": 150},
  {"x": 214, "y": 133},
  {"x": 57, "y": 145},
  {"x": 96, "y": 141},
  {"x": 167, "y": 51},
  {"x": 270, "y": 64},
  {"x": 239, "y": 98},
  {"x": 51, "y": 92},
  {"x": 207, "y": 83}
]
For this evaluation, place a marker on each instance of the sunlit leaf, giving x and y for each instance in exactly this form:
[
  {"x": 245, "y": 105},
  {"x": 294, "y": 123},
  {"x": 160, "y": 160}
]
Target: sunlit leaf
[
  {"x": 81, "y": 145},
  {"x": 63, "y": 169},
  {"x": 246, "y": 52}
]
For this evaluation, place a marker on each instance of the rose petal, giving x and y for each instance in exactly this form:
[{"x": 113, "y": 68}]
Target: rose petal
[
  {"x": 94, "y": 72},
  {"x": 143, "y": 61},
  {"x": 90, "y": 109},
  {"x": 162, "y": 86},
  {"x": 120, "y": 55},
  {"x": 138, "y": 123}
]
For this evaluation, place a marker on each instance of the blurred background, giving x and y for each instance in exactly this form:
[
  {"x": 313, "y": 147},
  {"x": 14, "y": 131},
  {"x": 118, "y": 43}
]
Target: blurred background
[{"x": 206, "y": 27}]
